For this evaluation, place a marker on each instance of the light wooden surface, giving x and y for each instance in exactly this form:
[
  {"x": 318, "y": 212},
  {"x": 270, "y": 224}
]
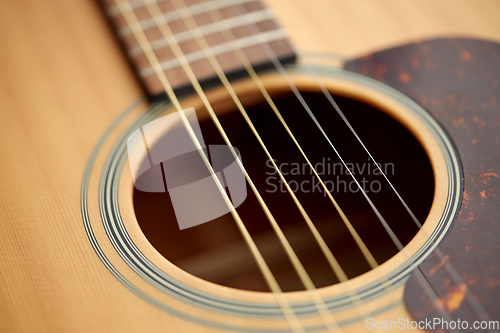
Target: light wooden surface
[
  {"x": 354, "y": 27},
  {"x": 63, "y": 80}
]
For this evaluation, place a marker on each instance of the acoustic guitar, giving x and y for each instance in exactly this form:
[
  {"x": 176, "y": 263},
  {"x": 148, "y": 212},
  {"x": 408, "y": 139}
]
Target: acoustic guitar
[{"x": 240, "y": 166}]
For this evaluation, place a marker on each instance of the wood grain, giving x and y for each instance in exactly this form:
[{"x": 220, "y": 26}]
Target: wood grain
[
  {"x": 356, "y": 27},
  {"x": 64, "y": 79}
]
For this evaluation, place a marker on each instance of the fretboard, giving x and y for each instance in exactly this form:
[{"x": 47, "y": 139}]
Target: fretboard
[{"x": 252, "y": 26}]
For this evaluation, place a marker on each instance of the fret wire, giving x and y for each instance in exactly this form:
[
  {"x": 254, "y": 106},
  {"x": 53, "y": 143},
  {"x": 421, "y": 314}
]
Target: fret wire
[
  {"x": 195, "y": 9},
  {"x": 210, "y": 28},
  {"x": 270, "y": 279},
  {"x": 267, "y": 37},
  {"x": 477, "y": 307},
  {"x": 337, "y": 269}
]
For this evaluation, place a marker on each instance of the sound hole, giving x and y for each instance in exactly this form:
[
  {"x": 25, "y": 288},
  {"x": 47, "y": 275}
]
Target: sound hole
[{"x": 215, "y": 251}]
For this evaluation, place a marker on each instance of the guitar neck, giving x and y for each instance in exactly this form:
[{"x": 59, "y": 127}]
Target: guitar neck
[{"x": 249, "y": 24}]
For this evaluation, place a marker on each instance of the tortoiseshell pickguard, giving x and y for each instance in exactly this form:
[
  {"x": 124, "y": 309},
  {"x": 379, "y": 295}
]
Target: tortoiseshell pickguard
[{"x": 458, "y": 82}]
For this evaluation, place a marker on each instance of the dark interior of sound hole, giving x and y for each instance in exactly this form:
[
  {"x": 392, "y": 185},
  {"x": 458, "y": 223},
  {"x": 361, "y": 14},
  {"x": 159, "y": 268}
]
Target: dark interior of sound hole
[{"x": 215, "y": 251}]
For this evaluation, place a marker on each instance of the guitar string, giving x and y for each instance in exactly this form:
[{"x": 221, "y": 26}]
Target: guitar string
[
  {"x": 129, "y": 15},
  {"x": 431, "y": 293},
  {"x": 164, "y": 28},
  {"x": 246, "y": 63},
  {"x": 472, "y": 300},
  {"x": 252, "y": 73},
  {"x": 476, "y": 306},
  {"x": 203, "y": 44},
  {"x": 317, "y": 298},
  {"x": 168, "y": 34},
  {"x": 338, "y": 271},
  {"x": 358, "y": 185}
]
